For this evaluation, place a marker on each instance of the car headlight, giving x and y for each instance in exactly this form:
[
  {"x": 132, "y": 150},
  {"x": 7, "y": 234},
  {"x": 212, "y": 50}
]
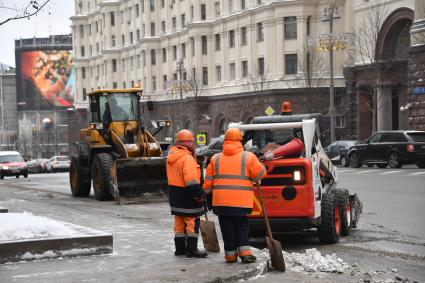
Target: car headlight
[{"x": 5, "y": 168}]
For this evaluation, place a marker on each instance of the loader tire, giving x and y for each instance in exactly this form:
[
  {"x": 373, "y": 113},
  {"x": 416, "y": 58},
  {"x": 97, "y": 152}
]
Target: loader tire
[
  {"x": 329, "y": 229},
  {"x": 79, "y": 178},
  {"x": 101, "y": 172},
  {"x": 345, "y": 210}
]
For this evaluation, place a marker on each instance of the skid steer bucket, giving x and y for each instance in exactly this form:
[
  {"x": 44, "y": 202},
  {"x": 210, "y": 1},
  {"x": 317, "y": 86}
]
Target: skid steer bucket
[{"x": 139, "y": 180}]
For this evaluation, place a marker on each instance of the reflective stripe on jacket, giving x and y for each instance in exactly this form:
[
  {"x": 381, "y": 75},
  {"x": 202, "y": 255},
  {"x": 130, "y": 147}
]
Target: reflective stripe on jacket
[
  {"x": 229, "y": 176},
  {"x": 184, "y": 189}
]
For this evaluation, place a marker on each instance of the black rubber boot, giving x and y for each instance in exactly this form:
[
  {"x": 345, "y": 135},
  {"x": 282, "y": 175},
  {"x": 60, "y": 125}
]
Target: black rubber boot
[
  {"x": 180, "y": 243},
  {"x": 192, "y": 248},
  {"x": 248, "y": 258}
]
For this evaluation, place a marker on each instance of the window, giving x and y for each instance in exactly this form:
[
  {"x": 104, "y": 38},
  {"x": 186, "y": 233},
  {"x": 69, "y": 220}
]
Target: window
[
  {"x": 290, "y": 27},
  {"x": 84, "y": 94},
  {"x": 260, "y": 32},
  {"x": 231, "y": 38},
  {"x": 114, "y": 85},
  {"x": 204, "y": 75},
  {"x": 308, "y": 25},
  {"x": 139, "y": 61},
  {"x": 124, "y": 85},
  {"x": 174, "y": 52},
  {"x": 122, "y": 16},
  {"x": 162, "y": 3},
  {"x": 244, "y": 69},
  {"x": 131, "y": 63},
  {"x": 243, "y": 6},
  {"x": 183, "y": 50},
  {"x": 232, "y": 71},
  {"x": 174, "y": 23},
  {"x": 123, "y": 40},
  {"x": 131, "y": 37},
  {"x": 81, "y": 31},
  {"x": 192, "y": 44},
  {"x": 339, "y": 121},
  {"x": 163, "y": 27},
  {"x": 164, "y": 81},
  {"x": 191, "y": 12},
  {"x": 89, "y": 29},
  {"x": 261, "y": 66},
  {"x": 83, "y": 53},
  {"x": 230, "y": 6},
  {"x": 217, "y": 42},
  {"x": 243, "y": 36},
  {"x": 164, "y": 55},
  {"x": 137, "y": 10},
  {"x": 153, "y": 57},
  {"x": 338, "y": 100},
  {"x": 259, "y": 2},
  {"x": 218, "y": 73},
  {"x": 91, "y": 49},
  {"x": 217, "y": 9},
  {"x": 97, "y": 27},
  {"x": 83, "y": 72},
  {"x": 113, "y": 43},
  {"x": 204, "y": 45},
  {"x": 152, "y": 5},
  {"x": 290, "y": 64},
  {"x": 153, "y": 83},
  {"x": 97, "y": 48},
  {"x": 203, "y": 12},
  {"x": 183, "y": 20},
  {"x": 123, "y": 65},
  {"x": 144, "y": 58},
  {"x": 138, "y": 35},
  {"x": 112, "y": 15},
  {"x": 152, "y": 29},
  {"x": 391, "y": 137},
  {"x": 114, "y": 65}
]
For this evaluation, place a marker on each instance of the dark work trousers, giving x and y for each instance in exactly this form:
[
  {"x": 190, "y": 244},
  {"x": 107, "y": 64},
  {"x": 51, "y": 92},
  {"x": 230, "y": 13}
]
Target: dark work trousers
[{"x": 235, "y": 231}]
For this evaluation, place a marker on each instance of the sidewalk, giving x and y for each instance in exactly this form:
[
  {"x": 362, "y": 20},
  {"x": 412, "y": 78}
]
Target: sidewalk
[{"x": 142, "y": 250}]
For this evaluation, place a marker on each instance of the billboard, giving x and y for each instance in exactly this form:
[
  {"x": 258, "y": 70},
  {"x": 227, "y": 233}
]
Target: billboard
[{"x": 45, "y": 79}]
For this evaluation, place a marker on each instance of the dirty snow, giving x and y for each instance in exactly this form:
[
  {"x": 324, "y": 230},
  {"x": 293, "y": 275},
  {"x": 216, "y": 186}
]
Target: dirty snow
[
  {"x": 19, "y": 226},
  {"x": 313, "y": 261},
  {"x": 55, "y": 254}
]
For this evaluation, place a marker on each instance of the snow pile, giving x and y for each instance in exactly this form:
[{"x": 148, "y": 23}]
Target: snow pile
[
  {"x": 56, "y": 254},
  {"x": 19, "y": 226},
  {"x": 313, "y": 261}
]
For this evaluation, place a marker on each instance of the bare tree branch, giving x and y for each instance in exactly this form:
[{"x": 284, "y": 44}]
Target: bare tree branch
[{"x": 30, "y": 10}]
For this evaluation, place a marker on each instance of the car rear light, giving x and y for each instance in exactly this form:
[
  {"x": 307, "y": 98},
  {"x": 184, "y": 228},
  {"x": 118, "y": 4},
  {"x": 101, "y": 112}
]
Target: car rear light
[
  {"x": 410, "y": 148},
  {"x": 297, "y": 176}
]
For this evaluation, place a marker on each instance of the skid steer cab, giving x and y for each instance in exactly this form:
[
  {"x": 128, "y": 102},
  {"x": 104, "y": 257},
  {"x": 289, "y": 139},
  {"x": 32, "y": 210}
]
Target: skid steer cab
[
  {"x": 116, "y": 153},
  {"x": 300, "y": 189}
]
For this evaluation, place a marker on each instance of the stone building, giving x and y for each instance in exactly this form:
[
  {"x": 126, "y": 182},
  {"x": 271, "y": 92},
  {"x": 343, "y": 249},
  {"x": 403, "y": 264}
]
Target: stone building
[
  {"x": 206, "y": 63},
  {"x": 8, "y": 109}
]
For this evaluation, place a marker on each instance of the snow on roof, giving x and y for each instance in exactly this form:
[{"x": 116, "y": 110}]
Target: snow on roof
[
  {"x": 20, "y": 226},
  {"x": 3, "y": 153}
]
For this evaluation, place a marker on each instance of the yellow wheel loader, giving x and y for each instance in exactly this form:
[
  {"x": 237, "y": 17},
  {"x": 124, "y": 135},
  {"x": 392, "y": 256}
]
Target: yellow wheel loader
[{"x": 116, "y": 153}]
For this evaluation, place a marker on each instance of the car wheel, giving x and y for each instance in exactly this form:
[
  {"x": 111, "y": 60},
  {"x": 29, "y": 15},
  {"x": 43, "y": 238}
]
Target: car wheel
[
  {"x": 26, "y": 175},
  {"x": 421, "y": 164},
  {"x": 394, "y": 160},
  {"x": 370, "y": 165},
  {"x": 17, "y": 176},
  {"x": 344, "y": 161},
  {"x": 382, "y": 165},
  {"x": 355, "y": 160},
  {"x": 1, "y": 176}
]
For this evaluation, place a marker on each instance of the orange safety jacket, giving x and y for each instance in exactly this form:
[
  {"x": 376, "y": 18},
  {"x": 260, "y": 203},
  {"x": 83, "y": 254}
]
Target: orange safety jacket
[
  {"x": 184, "y": 189},
  {"x": 229, "y": 177}
]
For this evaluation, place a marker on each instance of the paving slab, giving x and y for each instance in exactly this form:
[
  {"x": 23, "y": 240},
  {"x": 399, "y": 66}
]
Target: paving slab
[{"x": 3, "y": 209}]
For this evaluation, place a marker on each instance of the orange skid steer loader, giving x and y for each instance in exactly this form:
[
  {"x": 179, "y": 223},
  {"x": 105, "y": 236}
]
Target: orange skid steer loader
[{"x": 116, "y": 153}]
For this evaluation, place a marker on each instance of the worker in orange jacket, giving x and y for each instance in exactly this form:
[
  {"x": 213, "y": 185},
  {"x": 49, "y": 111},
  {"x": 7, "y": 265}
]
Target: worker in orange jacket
[
  {"x": 185, "y": 195},
  {"x": 229, "y": 178}
]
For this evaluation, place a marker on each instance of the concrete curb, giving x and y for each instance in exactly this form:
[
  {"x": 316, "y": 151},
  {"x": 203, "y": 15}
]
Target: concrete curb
[
  {"x": 33, "y": 249},
  {"x": 3, "y": 209}
]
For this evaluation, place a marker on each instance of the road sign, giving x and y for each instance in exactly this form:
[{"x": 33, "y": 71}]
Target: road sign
[
  {"x": 201, "y": 139},
  {"x": 269, "y": 111}
]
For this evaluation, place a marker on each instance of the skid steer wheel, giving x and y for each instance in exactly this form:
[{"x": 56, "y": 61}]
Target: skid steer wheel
[
  {"x": 101, "y": 171},
  {"x": 79, "y": 179},
  {"x": 329, "y": 229},
  {"x": 345, "y": 210}
]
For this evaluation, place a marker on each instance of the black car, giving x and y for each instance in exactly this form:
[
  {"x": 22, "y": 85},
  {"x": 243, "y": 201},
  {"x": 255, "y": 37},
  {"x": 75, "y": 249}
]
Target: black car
[
  {"x": 338, "y": 151},
  {"x": 205, "y": 153},
  {"x": 394, "y": 148}
]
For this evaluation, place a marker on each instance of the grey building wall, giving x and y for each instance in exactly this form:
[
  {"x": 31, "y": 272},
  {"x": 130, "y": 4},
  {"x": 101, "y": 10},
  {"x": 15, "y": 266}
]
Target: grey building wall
[{"x": 8, "y": 111}]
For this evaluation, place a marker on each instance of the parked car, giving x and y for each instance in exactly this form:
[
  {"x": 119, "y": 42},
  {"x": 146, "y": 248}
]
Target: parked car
[
  {"x": 394, "y": 148},
  {"x": 205, "y": 153},
  {"x": 58, "y": 163},
  {"x": 338, "y": 151},
  {"x": 43, "y": 163},
  {"x": 12, "y": 164},
  {"x": 36, "y": 166}
]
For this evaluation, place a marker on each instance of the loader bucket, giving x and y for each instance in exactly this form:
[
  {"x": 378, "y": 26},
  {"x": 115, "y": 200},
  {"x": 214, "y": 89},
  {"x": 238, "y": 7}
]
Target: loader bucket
[{"x": 139, "y": 180}]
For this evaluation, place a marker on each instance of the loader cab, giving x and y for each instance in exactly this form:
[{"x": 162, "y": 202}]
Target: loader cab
[{"x": 114, "y": 106}]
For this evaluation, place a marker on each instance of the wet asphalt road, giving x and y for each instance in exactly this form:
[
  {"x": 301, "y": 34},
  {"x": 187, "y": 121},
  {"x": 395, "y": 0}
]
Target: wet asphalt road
[{"x": 389, "y": 242}]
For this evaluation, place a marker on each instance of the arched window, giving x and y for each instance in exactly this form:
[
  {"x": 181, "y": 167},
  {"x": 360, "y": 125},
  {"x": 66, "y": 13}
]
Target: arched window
[{"x": 222, "y": 128}]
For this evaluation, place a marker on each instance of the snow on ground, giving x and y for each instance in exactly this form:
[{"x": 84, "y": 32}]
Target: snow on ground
[
  {"x": 19, "y": 226},
  {"x": 313, "y": 261}
]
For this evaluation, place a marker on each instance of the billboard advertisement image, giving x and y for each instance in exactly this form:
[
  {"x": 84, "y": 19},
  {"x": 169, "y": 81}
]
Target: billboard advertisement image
[{"x": 45, "y": 79}]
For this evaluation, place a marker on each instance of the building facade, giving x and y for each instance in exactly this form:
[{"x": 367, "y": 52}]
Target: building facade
[
  {"x": 206, "y": 63},
  {"x": 8, "y": 109}
]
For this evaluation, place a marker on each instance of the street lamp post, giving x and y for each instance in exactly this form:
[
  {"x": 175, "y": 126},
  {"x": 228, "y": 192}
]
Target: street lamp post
[
  {"x": 331, "y": 13},
  {"x": 180, "y": 69}
]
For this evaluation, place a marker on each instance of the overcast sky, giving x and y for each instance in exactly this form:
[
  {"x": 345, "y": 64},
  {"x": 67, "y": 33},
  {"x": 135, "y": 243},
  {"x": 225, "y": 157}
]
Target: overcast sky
[{"x": 41, "y": 25}]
